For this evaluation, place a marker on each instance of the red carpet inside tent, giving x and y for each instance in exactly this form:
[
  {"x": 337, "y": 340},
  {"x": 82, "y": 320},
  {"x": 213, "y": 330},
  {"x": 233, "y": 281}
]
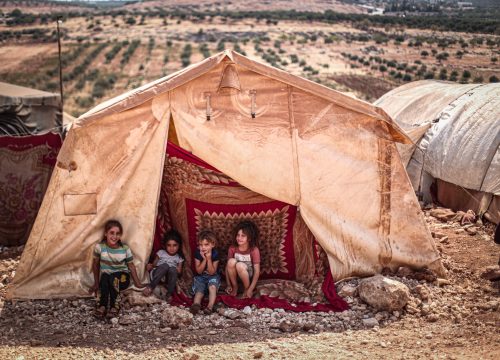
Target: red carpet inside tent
[{"x": 294, "y": 269}]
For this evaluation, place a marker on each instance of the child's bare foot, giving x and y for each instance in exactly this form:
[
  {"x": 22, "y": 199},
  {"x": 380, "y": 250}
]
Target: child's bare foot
[
  {"x": 147, "y": 291},
  {"x": 230, "y": 291}
]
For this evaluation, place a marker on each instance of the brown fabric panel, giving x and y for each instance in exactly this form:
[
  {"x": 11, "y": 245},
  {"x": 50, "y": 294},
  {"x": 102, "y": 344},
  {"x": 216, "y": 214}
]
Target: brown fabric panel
[
  {"x": 385, "y": 176},
  {"x": 493, "y": 213},
  {"x": 234, "y": 142},
  {"x": 410, "y": 238},
  {"x": 458, "y": 198},
  {"x": 303, "y": 245}
]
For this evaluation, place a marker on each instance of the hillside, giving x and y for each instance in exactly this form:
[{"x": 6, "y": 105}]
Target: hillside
[{"x": 107, "y": 51}]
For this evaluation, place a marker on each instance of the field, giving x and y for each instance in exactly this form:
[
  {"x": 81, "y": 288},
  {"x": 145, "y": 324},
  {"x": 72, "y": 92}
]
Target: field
[{"x": 107, "y": 52}]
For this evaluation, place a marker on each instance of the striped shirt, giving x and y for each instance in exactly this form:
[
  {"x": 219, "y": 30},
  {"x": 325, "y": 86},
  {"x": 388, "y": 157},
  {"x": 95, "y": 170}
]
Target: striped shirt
[{"x": 113, "y": 260}]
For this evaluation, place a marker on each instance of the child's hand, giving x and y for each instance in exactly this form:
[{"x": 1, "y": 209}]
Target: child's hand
[
  {"x": 93, "y": 289},
  {"x": 149, "y": 267},
  {"x": 203, "y": 255},
  {"x": 208, "y": 254}
]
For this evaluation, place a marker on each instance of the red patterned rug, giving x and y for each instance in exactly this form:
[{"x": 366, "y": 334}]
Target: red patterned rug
[
  {"x": 26, "y": 164},
  {"x": 294, "y": 269}
]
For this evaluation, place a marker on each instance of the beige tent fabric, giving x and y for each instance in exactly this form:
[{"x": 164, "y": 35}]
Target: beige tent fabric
[
  {"x": 299, "y": 149},
  {"x": 415, "y": 134},
  {"x": 310, "y": 146},
  {"x": 113, "y": 162}
]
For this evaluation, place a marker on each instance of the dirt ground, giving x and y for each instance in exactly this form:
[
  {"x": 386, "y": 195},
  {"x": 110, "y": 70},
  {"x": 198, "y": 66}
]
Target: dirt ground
[{"x": 459, "y": 320}]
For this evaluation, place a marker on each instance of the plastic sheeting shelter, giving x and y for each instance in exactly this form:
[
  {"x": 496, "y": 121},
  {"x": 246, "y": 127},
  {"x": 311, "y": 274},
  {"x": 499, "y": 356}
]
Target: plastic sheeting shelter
[
  {"x": 30, "y": 129},
  {"x": 456, "y": 131},
  {"x": 25, "y": 111},
  {"x": 286, "y": 138}
]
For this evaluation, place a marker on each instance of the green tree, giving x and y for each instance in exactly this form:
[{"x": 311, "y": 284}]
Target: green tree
[{"x": 382, "y": 69}]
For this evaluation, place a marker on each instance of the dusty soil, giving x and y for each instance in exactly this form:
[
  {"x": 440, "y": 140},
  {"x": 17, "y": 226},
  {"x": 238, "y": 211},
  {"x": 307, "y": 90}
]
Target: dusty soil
[{"x": 459, "y": 319}]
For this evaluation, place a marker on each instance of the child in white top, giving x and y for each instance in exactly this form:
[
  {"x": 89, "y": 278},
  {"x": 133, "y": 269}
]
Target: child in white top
[{"x": 167, "y": 263}]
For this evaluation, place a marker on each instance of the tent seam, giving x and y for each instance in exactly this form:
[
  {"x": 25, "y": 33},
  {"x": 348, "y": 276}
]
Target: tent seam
[{"x": 296, "y": 171}]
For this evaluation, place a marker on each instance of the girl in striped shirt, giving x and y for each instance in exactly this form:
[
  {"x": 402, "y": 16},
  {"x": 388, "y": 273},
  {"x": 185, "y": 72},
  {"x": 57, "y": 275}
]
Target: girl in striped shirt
[{"x": 112, "y": 268}]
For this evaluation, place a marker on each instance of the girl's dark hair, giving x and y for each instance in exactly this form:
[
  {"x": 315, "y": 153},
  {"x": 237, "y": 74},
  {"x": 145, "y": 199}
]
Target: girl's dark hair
[
  {"x": 173, "y": 235},
  {"x": 110, "y": 224},
  {"x": 250, "y": 230}
]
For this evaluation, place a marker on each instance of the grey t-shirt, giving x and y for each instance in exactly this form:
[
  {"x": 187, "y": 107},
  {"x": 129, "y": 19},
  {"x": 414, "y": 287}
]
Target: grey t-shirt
[{"x": 171, "y": 260}]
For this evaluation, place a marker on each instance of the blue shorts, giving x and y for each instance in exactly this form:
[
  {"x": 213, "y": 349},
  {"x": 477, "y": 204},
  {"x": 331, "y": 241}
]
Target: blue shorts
[{"x": 201, "y": 283}]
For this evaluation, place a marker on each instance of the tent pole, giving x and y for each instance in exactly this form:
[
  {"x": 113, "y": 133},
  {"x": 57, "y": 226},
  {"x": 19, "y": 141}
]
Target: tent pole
[{"x": 59, "y": 20}]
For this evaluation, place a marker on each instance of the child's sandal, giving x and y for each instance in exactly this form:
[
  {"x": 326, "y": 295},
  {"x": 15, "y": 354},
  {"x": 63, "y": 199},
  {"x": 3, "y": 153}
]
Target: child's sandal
[
  {"x": 100, "y": 312},
  {"x": 194, "y": 309},
  {"x": 208, "y": 311},
  {"x": 113, "y": 312}
]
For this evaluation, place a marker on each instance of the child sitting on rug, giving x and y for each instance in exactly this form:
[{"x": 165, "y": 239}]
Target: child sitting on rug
[
  {"x": 207, "y": 280},
  {"x": 113, "y": 262},
  {"x": 167, "y": 263},
  {"x": 243, "y": 260}
]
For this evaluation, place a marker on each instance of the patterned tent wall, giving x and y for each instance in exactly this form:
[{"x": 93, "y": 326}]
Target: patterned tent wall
[{"x": 30, "y": 127}]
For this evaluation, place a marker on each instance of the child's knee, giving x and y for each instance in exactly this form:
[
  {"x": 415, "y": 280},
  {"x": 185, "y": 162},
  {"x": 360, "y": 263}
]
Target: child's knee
[
  {"x": 241, "y": 267},
  {"x": 231, "y": 263}
]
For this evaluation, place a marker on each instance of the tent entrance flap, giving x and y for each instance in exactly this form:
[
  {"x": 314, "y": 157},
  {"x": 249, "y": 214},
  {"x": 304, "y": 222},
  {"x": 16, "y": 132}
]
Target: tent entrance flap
[{"x": 196, "y": 196}]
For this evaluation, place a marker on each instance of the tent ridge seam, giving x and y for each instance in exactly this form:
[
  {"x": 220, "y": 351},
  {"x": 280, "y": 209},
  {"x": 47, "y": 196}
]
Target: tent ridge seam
[{"x": 294, "y": 134}]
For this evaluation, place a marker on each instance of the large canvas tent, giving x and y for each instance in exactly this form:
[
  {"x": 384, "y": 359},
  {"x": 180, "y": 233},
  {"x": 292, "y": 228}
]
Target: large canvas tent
[
  {"x": 281, "y": 138},
  {"x": 456, "y": 134},
  {"x": 30, "y": 138}
]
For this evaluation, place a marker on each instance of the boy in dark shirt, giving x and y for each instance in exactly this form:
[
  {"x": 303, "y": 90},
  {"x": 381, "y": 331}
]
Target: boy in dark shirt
[{"x": 207, "y": 278}]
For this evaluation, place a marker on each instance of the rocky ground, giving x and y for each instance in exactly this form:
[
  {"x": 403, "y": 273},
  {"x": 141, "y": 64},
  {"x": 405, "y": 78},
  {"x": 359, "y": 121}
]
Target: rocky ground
[{"x": 451, "y": 318}]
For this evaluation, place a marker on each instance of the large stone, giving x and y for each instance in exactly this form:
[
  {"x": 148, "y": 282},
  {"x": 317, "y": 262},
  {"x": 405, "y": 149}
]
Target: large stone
[
  {"x": 383, "y": 293},
  {"x": 175, "y": 318},
  {"x": 231, "y": 313},
  {"x": 136, "y": 298},
  {"x": 422, "y": 292},
  {"x": 348, "y": 290},
  {"x": 129, "y": 319},
  {"x": 288, "y": 326},
  {"x": 370, "y": 322}
]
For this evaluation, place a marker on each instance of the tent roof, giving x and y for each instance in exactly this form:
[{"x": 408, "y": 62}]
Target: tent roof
[
  {"x": 13, "y": 94},
  {"x": 462, "y": 144},
  {"x": 148, "y": 91}
]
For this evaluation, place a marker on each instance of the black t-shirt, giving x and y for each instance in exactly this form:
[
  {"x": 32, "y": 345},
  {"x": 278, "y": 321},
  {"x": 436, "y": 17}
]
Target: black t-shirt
[{"x": 215, "y": 257}]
